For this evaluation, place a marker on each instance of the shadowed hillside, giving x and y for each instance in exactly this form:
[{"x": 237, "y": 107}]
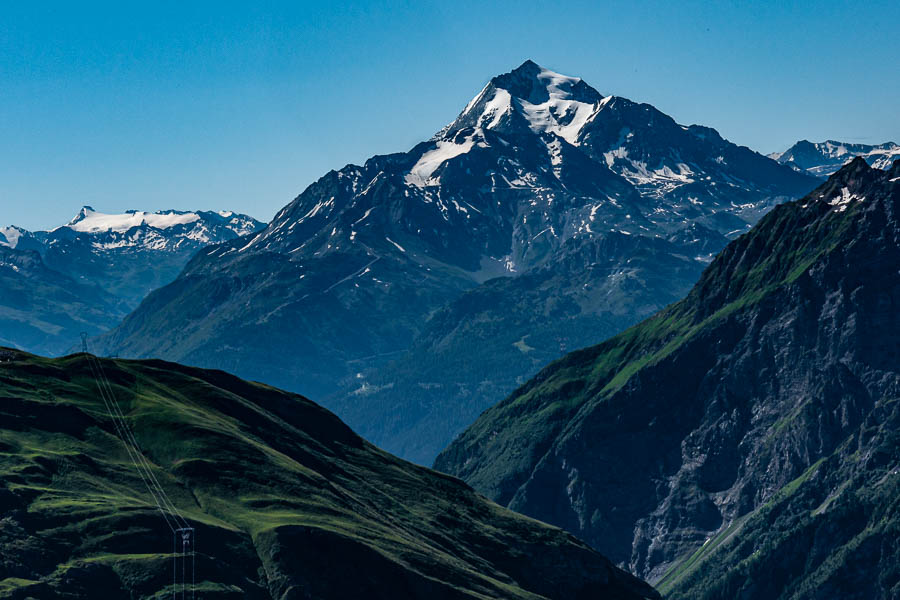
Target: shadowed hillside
[{"x": 287, "y": 502}]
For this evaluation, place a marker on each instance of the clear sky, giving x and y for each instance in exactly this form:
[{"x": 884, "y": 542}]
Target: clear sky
[{"x": 224, "y": 105}]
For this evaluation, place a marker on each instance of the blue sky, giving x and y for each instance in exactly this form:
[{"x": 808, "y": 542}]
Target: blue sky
[{"x": 223, "y": 105}]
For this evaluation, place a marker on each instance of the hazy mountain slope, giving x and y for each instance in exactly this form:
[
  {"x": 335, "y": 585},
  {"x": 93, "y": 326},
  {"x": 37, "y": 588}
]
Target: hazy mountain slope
[
  {"x": 42, "y": 308},
  {"x": 483, "y": 344},
  {"x": 693, "y": 447},
  {"x": 286, "y": 500},
  {"x": 823, "y": 159},
  {"x": 538, "y": 171},
  {"x": 106, "y": 265}
]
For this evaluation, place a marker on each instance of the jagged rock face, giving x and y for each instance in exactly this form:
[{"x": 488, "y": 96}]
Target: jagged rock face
[
  {"x": 92, "y": 271},
  {"x": 772, "y": 387},
  {"x": 823, "y": 159},
  {"x": 285, "y": 501},
  {"x": 337, "y": 296}
]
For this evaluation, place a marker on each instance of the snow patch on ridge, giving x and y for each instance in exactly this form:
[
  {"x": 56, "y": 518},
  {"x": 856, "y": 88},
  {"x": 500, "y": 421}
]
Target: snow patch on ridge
[
  {"x": 500, "y": 104},
  {"x": 843, "y": 200},
  {"x": 421, "y": 173},
  {"x": 399, "y": 247},
  {"x": 662, "y": 180},
  {"x": 11, "y": 235}
]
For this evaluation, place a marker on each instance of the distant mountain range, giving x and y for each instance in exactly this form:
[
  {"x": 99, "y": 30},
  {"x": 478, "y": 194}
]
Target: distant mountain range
[
  {"x": 416, "y": 290},
  {"x": 285, "y": 501},
  {"x": 88, "y": 274},
  {"x": 823, "y": 159},
  {"x": 742, "y": 443}
]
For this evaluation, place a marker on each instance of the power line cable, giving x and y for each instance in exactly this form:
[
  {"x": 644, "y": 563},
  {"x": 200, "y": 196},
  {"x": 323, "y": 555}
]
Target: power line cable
[
  {"x": 142, "y": 465},
  {"x": 176, "y": 514},
  {"x": 129, "y": 449},
  {"x": 182, "y": 529}
]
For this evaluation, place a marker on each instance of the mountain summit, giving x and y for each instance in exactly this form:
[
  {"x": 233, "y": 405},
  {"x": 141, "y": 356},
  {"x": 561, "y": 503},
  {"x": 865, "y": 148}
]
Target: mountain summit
[
  {"x": 823, "y": 159},
  {"x": 545, "y": 214},
  {"x": 533, "y": 97}
]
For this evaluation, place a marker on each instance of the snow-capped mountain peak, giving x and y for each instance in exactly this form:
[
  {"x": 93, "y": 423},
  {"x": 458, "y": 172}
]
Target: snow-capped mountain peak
[
  {"x": 10, "y": 236},
  {"x": 564, "y": 112},
  {"x": 547, "y": 101},
  {"x": 90, "y": 221},
  {"x": 533, "y": 128},
  {"x": 201, "y": 226},
  {"x": 823, "y": 159},
  {"x": 115, "y": 260},
  {"x": 535, "y": 84},
  {"x": 529, "y": 98},
  {"x": 170, "y": 230}
]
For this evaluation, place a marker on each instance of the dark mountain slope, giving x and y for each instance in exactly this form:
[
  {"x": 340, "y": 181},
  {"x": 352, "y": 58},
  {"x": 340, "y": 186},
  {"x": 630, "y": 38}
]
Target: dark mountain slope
[
  {"x": 480, "y": 346},
  {"x": 42, "y": 308},
  {"x": 287, "y": 502},
  {"x": 538, "y": 167},
  {"x": 741, "y": 443}
]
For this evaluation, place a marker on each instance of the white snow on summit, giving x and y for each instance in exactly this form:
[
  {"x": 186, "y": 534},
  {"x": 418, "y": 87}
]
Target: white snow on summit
[
  {"x": 560, "y": 114},
  {"x": 10, "y": 236},
  {"x": 90, "y": 221},
  {"x": 882, "y": 155},
  {"x": 832, "y": 155},
  {"x": 162, "y": 230},
  {"x": 885, "y": 158}
]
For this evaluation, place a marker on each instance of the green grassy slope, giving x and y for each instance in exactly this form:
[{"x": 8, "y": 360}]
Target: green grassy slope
[
  {"x": 512, "y": 435},
  {"x": 286, "y": 500},
  {"x": 830, "y": 533},
  {"x": 742, "y": 442}
]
